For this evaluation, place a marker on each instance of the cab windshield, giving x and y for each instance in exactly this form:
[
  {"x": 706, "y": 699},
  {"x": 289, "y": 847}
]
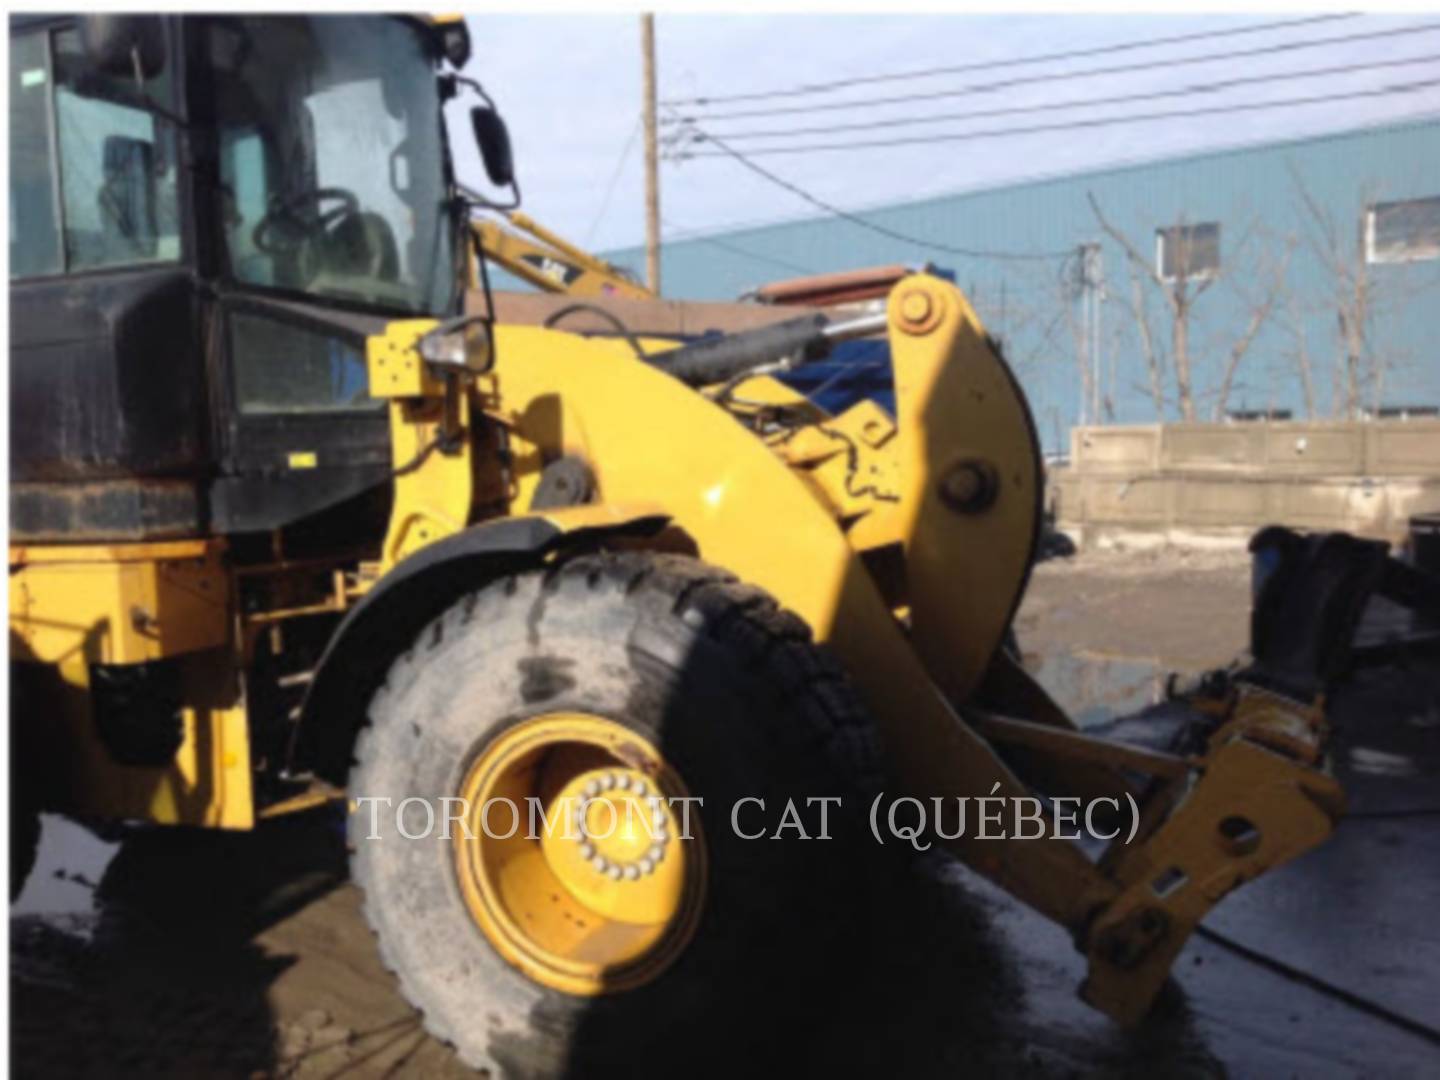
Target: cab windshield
[{"x": 332, "y": 175}]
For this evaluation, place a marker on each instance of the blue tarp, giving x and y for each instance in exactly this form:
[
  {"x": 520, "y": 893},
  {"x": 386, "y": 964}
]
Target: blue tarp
[{"x": 853, "y": 371}]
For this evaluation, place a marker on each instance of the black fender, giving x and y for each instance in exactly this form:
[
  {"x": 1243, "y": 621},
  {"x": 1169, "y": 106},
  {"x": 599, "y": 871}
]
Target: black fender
[{"x": 387, "y": 619}]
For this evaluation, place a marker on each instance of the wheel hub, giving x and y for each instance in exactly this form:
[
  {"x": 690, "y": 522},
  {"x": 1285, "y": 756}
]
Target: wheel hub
[
  {"x": 613, "y": 855},
  {"x": 597, "y": 890}
]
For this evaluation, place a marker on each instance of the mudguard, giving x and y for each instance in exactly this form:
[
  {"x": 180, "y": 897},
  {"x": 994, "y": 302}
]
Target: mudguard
[{"x": 419, "y": 588}]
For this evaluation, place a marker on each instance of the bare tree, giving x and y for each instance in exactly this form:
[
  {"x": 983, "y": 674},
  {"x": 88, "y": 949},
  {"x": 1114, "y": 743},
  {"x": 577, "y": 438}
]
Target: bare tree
[
  {"x": 1181, "y": 287},
  {"x": 1300, "y": 352},
  {"x": 1019, "y": 311},
  {"x": 1351, "y": 297},
  {"x": 1260, "y": 305},
  {"x": 1180, "y": 291},
  {"x": 1360, "y": 298},
  {"x": 1149, "y": 352}
]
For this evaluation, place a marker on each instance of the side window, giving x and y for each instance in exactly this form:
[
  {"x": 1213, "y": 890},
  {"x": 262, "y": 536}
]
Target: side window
[
  {"x": 117, "y": 167},
  {"x": 111, "y": 199},
  {"x": 280, "y": 368},
  {"x": 34, "y": 217}
]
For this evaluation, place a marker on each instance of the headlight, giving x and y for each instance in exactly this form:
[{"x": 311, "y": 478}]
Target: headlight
[{"x": 459, "y": 345}]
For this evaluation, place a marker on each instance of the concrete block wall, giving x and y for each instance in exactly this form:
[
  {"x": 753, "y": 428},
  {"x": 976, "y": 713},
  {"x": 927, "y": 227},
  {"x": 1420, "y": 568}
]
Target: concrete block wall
[{"x": 1217, "y": 483}]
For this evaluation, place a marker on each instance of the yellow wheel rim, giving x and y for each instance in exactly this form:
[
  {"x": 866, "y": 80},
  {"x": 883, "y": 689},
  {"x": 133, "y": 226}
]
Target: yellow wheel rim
[{"x": 572, "y": 854}]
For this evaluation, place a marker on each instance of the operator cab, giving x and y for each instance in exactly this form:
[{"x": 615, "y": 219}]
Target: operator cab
[{"x": 208, "y": 217}]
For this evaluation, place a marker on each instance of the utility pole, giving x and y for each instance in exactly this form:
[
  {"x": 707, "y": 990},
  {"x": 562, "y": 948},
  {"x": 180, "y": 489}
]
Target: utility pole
[
  {"x": 1090, "y": 284},
  {"x": 1095, "y": 290},
  {"x": 652, "y": 158}
]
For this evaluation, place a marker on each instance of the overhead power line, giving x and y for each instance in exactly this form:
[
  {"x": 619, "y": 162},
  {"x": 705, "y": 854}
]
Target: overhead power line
[
  {"x": 614, "y": 179},
  {"x": 691, "y": 236},
  {"x": 1069, "y": 125},
  {"x": 1151, "y": 95},
  {"x": 1061, "y": 76},
  {"x": 986, "y": 65},
  {"x": 883, "y": 230}
]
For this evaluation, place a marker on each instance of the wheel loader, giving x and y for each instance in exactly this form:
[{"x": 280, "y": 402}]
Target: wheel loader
[
  {"x": 295, "y": 519},
  {"x": 549, "y": 262}
]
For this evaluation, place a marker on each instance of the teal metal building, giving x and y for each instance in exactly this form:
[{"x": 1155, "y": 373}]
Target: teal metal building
[{"x": 1310, "y": 269}]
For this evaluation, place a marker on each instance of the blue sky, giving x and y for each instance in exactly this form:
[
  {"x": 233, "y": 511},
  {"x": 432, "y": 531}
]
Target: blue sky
[{"x": 569, "y": 86}]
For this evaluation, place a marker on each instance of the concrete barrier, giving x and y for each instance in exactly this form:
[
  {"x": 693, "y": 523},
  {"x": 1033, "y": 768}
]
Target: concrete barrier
[{"x": 1212, "y": 484}]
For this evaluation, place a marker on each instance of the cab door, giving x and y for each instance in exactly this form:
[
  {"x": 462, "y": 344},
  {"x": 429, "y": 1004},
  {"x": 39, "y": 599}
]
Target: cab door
[{"x": 110, "y": 433}]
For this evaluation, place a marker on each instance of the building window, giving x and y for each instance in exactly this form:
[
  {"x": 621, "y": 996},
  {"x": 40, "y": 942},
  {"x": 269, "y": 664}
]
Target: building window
[
  {"x": 1403, "y": 231},
  {"x": 1188, "y": 251}
]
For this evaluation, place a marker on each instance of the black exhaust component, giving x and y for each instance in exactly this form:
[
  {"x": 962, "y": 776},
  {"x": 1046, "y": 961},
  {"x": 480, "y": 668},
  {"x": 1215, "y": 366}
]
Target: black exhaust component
[{"x": 715, "y": 359}]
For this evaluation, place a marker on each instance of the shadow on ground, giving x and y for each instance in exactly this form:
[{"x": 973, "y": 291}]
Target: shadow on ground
[
  {"x": 165, "y": 973},
  {"x": 240, "y": 955}
]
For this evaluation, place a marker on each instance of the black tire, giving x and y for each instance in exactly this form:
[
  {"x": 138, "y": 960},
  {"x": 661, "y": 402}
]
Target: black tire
[
  {"x": 738, "y": 699},
  {"x": 24, "y": 842},
  {"x": 24, "y": 777}
]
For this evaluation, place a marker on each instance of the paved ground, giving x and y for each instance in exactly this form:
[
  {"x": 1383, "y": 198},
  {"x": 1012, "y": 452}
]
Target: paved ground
[
  {"x": 1327, "y": 967},
  {"x": 199, "y": 955}
]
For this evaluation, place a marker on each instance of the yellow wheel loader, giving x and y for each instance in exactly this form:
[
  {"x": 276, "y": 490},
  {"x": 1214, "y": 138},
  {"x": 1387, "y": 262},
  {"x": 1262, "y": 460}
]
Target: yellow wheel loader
[{"x": 289, "y": 520}]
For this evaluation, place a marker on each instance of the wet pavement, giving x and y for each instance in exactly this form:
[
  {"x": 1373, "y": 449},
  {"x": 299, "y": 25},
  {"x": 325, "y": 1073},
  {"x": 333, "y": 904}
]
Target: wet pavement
[
  {"x": 1329, "y": 966},
  {"x": 178, "y": 953}
]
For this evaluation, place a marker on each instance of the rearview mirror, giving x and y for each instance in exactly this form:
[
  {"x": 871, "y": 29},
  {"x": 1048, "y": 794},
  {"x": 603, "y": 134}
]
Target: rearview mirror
[
  {"x": 124, "y": 45},
  {"x": 493, "y": 139}
]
